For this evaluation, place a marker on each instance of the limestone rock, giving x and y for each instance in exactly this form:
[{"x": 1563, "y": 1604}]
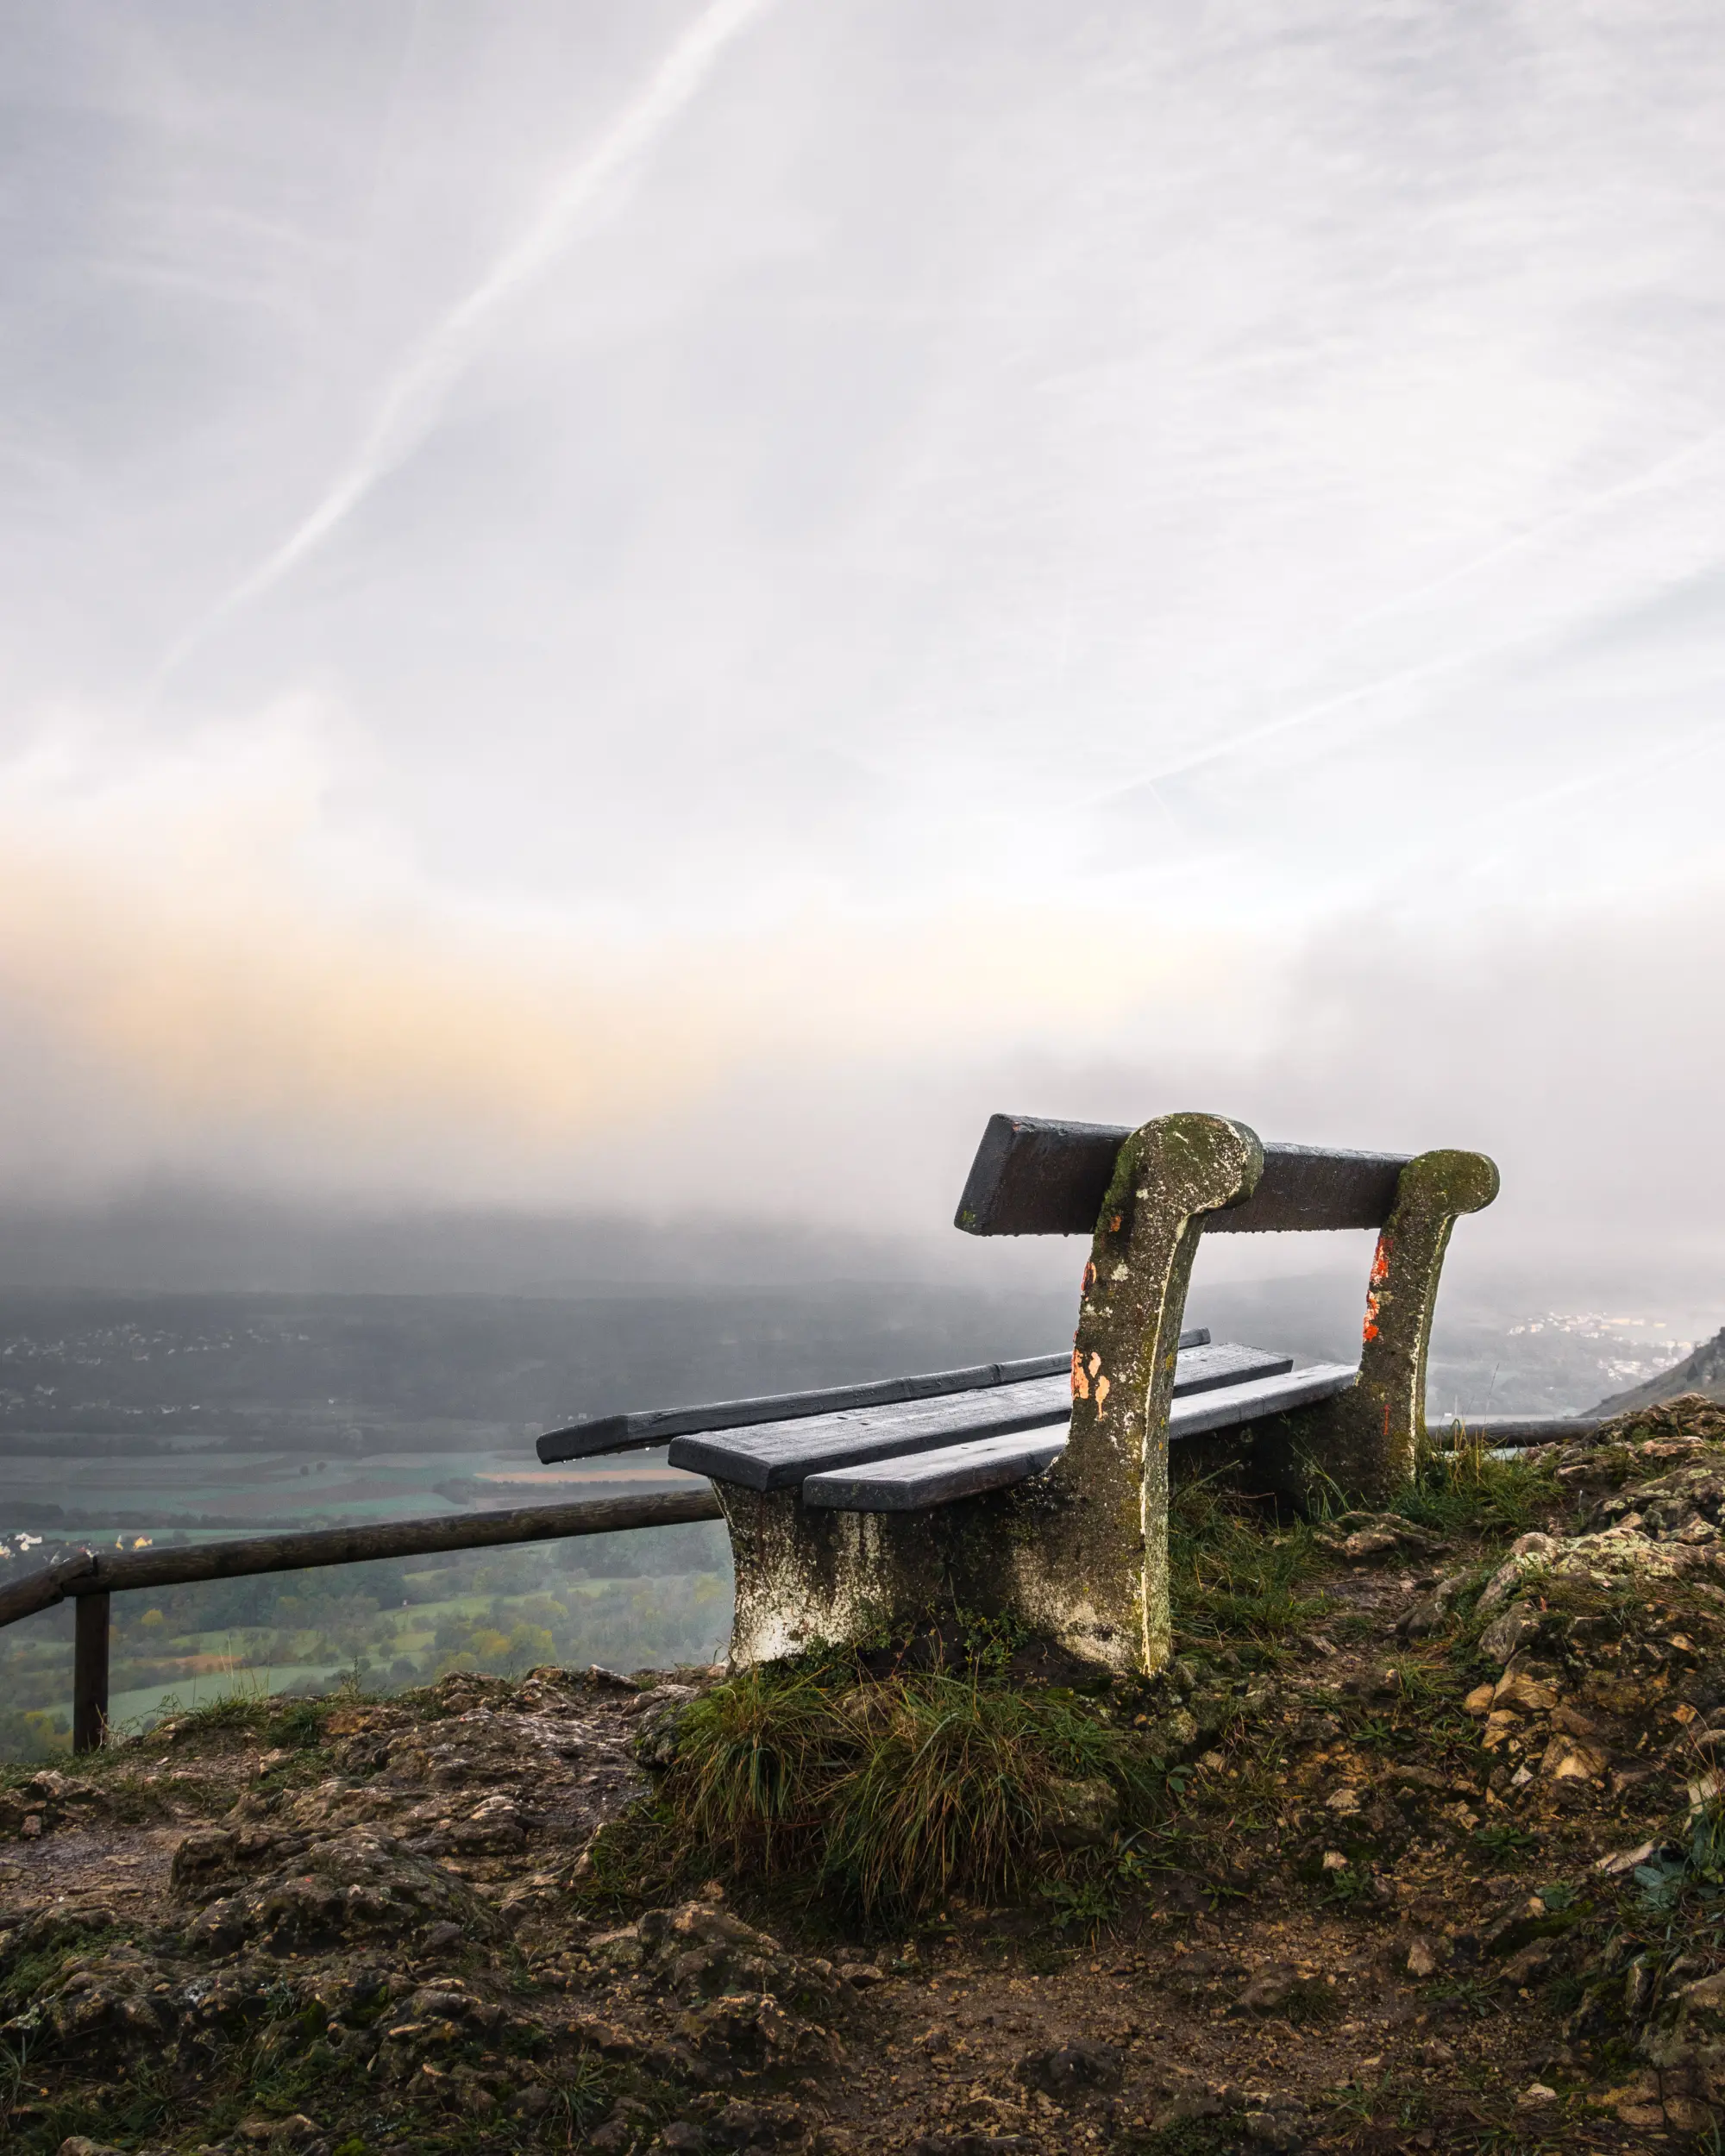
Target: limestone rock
[
  {"x": 353, "y": 1886},
  {"x": 1526, "y": 1695},
  {"x": 1426, "y": 1955},
  {"x": 1506, "y": 1634},
  {"x": 1270, "y": 1990},
  {"x": 1086, "y": 1814},
  {"x": 1279, "y": 2123},
  {"x": 1529, "y": 1553}
]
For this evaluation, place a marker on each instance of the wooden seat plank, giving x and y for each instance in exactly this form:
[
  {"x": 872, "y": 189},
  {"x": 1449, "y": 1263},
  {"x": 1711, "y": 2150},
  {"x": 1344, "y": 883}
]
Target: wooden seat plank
[
  {"x": 1258, "y": 1396},
  {"x": 917, "y": 1482},
  {"x": 779, "y": 1456},
  {"x": 1206, "y": 1368},
  {"x": 638, "y": 1431},
  {"x": 635, "y": 1432}
]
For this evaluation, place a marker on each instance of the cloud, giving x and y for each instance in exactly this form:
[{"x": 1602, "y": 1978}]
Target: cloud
[
  {"x": 253, "y": 983},
  {"x": 413, "y": 399},
  {"x": 210, "y": 969},
  {"x": 1085, "y": 564}
]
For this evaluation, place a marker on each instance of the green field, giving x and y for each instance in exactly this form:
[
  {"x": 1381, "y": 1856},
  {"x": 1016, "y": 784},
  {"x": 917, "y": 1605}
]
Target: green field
[{"x": 651, "y": 1598}]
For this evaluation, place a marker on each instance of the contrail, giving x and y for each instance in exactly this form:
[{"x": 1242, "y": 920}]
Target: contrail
[
  {"x": 1451, "y": 848},
  {"x": 412, "y": 400},
  {"x": 1645, "y": 481},
  {"x": 1549, "y": 527}
]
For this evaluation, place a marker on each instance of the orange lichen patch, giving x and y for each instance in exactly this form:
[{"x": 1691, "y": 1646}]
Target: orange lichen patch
[{"x": 1080, "y": 1384}]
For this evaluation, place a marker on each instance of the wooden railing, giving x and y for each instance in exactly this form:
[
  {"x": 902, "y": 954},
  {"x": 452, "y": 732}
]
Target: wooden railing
[{"x": 90, "y": 1577}]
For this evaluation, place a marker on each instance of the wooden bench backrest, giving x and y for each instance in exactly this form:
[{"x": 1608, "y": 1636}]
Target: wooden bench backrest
[{"x": 1035, "y": 1177}]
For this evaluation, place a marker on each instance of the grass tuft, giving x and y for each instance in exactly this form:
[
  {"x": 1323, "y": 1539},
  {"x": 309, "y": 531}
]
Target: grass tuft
[
  {"x": 887, "y": 1794},
  {"x": 281, "y": 1719},
  {"x": 758, "y": 1760},
  {"x": 961, "y": 1783},
  {"x": 1469, "y": 1491}
]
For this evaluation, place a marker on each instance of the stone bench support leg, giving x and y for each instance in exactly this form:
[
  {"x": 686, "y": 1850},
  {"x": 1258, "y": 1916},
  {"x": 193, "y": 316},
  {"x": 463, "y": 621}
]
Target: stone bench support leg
[
  {"x": 1089, "y": 1559},
  {"x": 802, "y": 1576},
  {"x": 1366, "y": 1441},
  {"x": 807, "y": 1574}
]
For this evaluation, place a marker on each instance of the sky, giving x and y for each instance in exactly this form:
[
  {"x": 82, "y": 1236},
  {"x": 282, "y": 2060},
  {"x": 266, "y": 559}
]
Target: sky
[{"x": 660, "y": 607}]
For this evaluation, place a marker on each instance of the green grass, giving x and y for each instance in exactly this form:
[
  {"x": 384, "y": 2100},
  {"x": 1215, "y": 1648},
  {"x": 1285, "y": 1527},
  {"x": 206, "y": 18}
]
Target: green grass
[
  {"x": 1690, "y": 1878},
  {"x": 961, "y": 1783},
  {"x": 293, "y": 1725},
  {"x": 885, "y": 1795},
  {"x": 1236, "y": 1579},
  {"x": 32, "y": 1972},
  {"x": 1083, "y": 1907},
  {"x": 1350, "y": 1891},
  {"x": 759, "y": 1762},
  {"x": 1502, "y": 1840},
  {"x": 1469, "y": 1493}
]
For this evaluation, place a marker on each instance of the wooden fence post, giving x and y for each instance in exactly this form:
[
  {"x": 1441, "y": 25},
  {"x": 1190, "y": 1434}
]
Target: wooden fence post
[{"x": 90, "y": 1673}]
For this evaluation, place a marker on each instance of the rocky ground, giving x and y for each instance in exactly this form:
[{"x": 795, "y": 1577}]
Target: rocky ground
[{"x": 1438, "y": 1862}]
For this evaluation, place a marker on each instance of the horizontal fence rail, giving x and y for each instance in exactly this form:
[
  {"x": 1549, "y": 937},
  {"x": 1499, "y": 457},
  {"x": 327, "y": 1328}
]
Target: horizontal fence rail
[
  {"x": 90, "y": 1577},
  {"x": 1455, "y": 1432}
]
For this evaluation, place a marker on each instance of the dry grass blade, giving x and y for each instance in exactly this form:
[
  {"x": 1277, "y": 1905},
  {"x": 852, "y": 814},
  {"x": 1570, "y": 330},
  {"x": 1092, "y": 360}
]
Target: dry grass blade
[{"x": 757, "y": 1759}]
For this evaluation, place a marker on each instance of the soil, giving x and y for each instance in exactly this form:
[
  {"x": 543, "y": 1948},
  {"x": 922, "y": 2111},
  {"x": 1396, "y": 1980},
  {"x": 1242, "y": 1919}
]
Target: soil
[{"x": 1434, "y": 1872}]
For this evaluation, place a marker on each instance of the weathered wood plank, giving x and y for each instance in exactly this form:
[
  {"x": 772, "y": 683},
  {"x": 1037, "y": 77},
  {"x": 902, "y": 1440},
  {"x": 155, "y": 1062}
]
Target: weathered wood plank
[
  {"x": 636, "y": 1432},
  {"x": 1032, "y": 1176},
  {"x": 914, "y": 1482},
  {"x": 926, "y": 1479},
  {"x": 1206, "y": 1369},
  {"x": 778, "y": 1455},
  {"x": 90, "y": 1672},
  {"x": 1035, "y": 1177},
  {"x": 1258, "y": 1397},
  {"x": 43, "y": 1588},
  {"x": 1517, "y": 1430}
]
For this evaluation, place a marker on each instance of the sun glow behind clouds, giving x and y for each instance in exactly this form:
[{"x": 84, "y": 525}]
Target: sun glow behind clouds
[{"x": 250, "y": 970}]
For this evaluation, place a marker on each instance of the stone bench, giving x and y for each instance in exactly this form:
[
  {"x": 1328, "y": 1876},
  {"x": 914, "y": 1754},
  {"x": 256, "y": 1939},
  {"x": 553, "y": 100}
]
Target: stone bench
[{"x": 1039, "y": 1489}]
